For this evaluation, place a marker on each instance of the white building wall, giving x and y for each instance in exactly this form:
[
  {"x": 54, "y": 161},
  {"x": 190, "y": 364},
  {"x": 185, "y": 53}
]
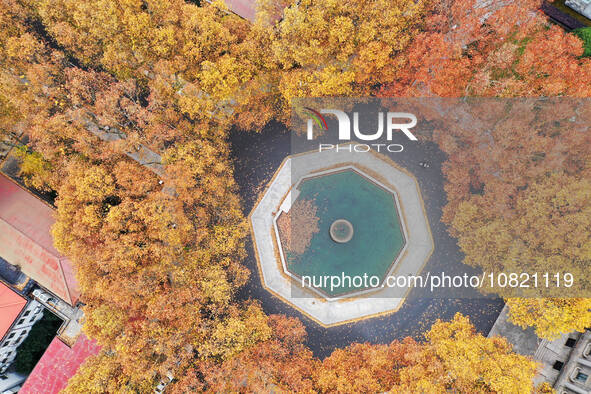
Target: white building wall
[
  {"x": 11, "y": 382},
  {"x": 32, "y": 312},
  {"x": 583, "y": 7}
]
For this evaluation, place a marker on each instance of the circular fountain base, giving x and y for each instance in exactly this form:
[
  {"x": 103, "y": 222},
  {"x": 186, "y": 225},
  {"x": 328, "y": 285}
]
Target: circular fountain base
[{"x": 341, "y": 231}]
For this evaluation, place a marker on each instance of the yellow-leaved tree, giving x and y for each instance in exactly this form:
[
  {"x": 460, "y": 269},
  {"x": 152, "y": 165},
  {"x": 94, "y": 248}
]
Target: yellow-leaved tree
[
  {"x": 457, "y": 358},
  {"x": 341, "y": 48},
  {"x": 551, "y": 317},
  {"x": 454, "y": 358}
]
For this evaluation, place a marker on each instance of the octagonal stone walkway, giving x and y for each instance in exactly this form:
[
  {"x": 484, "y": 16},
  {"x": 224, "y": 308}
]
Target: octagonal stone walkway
[{"x": 278, "y": 197}]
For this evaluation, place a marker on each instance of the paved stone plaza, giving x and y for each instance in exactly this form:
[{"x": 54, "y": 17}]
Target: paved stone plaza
[
  {"x": 583, "y": 7},
  {"x": 278, "y": 197}
]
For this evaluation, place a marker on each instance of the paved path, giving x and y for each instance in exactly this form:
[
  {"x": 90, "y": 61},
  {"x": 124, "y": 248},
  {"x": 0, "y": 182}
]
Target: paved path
[
  {"x": 416, "y": 251},
  {"x": 258, "y": 155}
]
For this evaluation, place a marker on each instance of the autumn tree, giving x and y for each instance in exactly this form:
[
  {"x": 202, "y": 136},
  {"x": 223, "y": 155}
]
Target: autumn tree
[
  {"x": 103, "y": 373},
  {"x": 522, "y": 207},
  {"x": 169, "y": 265},
  {"x": 158, "y": 255},
  {"x": 551, "y": 317},
  {"x": 298, "y": 226},
  {"x": 282, "y": 363},
  {"x": 499, "y": 50},
  {"x": 360, "y": 368},
  {"x": 197, "y": 57},
  {"x": 546, "y": 232},
  {"x": 157, "y": 260},
  {"x": 338, "y": 48},
  {"x": 453, "y": 358},
  {"x": 457, "y": 358},
  {"x": 500, "y": 195}
]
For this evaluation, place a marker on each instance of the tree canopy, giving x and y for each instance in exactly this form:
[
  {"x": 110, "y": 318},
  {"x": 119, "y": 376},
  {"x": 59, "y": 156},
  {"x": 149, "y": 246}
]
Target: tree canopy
[{"x": 85, "y": 86}]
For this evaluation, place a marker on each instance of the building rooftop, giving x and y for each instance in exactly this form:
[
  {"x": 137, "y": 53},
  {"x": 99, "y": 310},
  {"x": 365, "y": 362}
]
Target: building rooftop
[
  {"x": 11, "y": 305},
  {"x": 243, "y": 8},
  {"x": 57, "y": 365},
  {"x": 247, "y": 9},
  {"x": 25, "y": 241},
  {"x": 524, "y": 341}
]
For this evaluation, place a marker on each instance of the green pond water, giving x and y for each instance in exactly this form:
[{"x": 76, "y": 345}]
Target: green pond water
[{"x": 377, "y": 238}]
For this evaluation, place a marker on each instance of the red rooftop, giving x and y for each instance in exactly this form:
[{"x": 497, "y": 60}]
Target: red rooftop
[
  {"x": 57, "y": 365},
  {"x": 25, "y": 240},
  {"x": 11, "y": 305}
]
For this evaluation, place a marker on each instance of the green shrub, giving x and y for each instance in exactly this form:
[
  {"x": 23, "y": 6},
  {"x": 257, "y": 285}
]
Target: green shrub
[{"x": 584, "y": 33}]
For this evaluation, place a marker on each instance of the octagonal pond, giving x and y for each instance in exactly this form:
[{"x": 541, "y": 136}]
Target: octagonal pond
[{"x": 373, "y": 232}]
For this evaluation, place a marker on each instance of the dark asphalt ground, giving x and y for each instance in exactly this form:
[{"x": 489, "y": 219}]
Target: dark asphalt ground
[{"x": 258, "y": 155}]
